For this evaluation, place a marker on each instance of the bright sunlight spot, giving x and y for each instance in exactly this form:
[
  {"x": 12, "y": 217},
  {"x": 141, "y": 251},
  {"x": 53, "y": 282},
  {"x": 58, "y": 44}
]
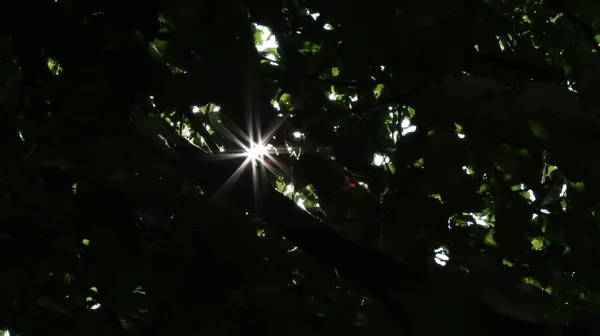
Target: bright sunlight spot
[
  {"x": 407, "y": 127},
  {"x": 379, "y": 160},
  {"x": 256, "y": 152},
  {"x": 441, "y": 258}
]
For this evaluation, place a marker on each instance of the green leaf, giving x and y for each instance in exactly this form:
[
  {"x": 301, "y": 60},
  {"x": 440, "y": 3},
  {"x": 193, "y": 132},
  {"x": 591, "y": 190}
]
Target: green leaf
[{"x": 538, "y": 131}]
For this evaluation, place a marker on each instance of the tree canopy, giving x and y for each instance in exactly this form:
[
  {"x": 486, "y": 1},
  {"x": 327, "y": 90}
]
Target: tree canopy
[{"x": 378, "y": 168}]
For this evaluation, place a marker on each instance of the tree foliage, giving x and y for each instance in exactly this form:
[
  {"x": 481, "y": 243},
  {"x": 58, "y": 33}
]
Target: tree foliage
[{"x": 432, "y": 168}]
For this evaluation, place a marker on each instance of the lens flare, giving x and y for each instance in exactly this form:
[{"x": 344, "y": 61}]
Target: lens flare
[{"x": 257, "y": 153}]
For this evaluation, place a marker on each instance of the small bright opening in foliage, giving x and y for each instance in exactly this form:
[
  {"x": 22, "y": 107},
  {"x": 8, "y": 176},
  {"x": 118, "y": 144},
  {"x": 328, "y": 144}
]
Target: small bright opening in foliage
[
  {"x": 441, "y": 256},
  {"x": 379, "y": 160},
  {"x": 266, "y": 41}
]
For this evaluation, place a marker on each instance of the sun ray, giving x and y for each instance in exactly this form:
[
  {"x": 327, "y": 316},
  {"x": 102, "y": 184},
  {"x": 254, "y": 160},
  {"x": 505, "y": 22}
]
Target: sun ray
[{"x": 226, "y": 187}]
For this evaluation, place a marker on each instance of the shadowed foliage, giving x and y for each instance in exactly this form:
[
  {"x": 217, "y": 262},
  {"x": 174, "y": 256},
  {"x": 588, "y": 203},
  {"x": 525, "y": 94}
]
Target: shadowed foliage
[{"x": 431, "y": 168}]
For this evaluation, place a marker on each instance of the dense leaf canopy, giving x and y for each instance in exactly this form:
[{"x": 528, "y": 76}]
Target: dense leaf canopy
[{"x": 418, "y": 167}]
